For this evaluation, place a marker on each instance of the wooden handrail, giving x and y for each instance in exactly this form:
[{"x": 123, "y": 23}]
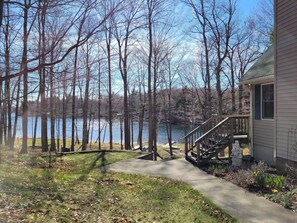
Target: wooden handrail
[
  {"x": 199, "y": 127},
  {"x": 215, "y": 129},
  {"x": 236, "y": 116},
  {"x": 211, "y": 130},
  {"x": 191, "y": 137}
]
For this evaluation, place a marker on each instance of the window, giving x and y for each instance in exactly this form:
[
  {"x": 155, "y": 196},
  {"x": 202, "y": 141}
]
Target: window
[
  {"x": 264, "y": 101},
  {"x": 268, "y": 101}
]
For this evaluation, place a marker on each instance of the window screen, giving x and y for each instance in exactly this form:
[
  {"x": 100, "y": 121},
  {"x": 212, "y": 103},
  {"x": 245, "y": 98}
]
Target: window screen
[{"x": 267, "y": 101}]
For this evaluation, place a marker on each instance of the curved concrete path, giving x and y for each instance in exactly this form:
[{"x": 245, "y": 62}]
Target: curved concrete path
[{"x": 243, "y": 205}]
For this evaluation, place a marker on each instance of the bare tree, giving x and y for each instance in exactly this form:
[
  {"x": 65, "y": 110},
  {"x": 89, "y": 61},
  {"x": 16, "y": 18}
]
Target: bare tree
[
  {"x": 108, "y": 26},
  {"x": 7, "y": 105},
  {"x": 264, "y": 21},
  {"x": 88, "y": 65},
  {"x": 244, "y": 49},
  {"x": 24, "y": 68},
  {"x": 130, "y": 20},
  {"x": 172, "y": 68},
  {"x": 215, "y": 20},
  {"x": 73, "y": 107},
  {"x": 200, "y": 15},
  {"x": 1, "y": 11}
]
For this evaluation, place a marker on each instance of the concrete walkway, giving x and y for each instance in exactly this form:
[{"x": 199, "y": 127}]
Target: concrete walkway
[{"x": 244, "y": 206}]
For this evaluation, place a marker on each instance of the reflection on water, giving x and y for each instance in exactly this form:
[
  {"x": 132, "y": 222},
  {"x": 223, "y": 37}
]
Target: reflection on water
[{"x": 178, "y": 131}]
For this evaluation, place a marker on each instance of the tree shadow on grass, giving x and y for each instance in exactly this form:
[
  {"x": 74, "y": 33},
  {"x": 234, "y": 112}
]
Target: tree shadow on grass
[{"x": 102, "y": 162}]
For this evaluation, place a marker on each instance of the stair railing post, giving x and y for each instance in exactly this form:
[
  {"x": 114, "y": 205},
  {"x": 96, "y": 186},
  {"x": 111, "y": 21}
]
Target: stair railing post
[
  {"x": 231, "y": 140},
  {"x": 198, "y": 153},
  {"x": 186, "y": 146}
]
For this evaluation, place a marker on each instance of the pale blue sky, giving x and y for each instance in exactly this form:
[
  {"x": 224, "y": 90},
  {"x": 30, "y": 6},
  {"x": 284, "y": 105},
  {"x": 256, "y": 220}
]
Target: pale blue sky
[{"x": 247, "y": 6}]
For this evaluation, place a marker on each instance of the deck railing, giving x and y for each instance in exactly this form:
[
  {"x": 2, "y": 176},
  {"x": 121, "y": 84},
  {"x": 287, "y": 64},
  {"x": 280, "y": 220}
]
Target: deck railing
[
  {"x": 215, "y": 131},
  {"x": 196, "y": 133}
]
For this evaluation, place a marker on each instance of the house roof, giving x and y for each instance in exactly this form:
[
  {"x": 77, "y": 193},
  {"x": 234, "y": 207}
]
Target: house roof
[{"x": 262, "y": 70}]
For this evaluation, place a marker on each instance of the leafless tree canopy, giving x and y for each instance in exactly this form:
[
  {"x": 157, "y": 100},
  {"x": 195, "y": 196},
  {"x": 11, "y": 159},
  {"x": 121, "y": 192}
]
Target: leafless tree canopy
[{"x": 121, "y": 61}]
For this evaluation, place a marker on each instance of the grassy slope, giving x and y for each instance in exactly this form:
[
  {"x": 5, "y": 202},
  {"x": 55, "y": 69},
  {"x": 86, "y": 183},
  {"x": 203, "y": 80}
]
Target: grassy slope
[{"x": 75, "y": 190}]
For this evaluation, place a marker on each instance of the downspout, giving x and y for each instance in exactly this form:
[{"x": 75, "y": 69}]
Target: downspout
[
  {"x": 251, "y": 124},
  {"x": 275, "y": 84}
]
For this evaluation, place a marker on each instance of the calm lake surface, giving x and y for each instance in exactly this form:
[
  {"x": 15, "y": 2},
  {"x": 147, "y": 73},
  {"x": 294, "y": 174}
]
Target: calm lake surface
[{"x": 178, "y": 131}]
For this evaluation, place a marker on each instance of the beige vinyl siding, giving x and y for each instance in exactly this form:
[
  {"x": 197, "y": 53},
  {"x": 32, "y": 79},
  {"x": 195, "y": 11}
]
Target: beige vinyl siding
[
  {"x": 286, "y": 74},
  {"x": 263, "y": 132},
  {"x": 263, "y": 140}
]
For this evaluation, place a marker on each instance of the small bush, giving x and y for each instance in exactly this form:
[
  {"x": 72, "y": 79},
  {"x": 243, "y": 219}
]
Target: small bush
[
  {"x": 259, "y": 168},
  {"x": 288, "y": 197},
  {"x": 260, "y": 179},
  {"x": 218, "y": 169},
  {"x": 244, "y": 178},
  {"x": 275, "y": 182}
]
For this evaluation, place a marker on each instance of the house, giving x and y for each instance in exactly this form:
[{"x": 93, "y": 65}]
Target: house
[
  {"x": 286, "y": 83},
  {"x": 260, "y": 81},
  {"x": 272, "y": 81},
  {"x": 271, "y": 127}
]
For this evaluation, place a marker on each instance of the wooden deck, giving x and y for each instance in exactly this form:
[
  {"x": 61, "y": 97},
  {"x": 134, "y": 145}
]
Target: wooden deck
[{"x": 213, "y": 136}]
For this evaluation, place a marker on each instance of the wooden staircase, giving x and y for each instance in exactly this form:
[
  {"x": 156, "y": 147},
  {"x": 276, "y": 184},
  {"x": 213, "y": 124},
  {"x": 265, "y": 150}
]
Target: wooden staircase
[{"x": 212, "y": 137}]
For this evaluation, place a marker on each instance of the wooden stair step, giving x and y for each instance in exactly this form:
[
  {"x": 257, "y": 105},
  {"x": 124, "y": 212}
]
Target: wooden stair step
[
  {"x": 191, "y": 159},
  {"x": 193, "y": 154}
]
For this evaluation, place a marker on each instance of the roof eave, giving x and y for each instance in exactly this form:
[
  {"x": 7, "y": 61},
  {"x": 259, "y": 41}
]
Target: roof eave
[{"x": 259, "y": 80}]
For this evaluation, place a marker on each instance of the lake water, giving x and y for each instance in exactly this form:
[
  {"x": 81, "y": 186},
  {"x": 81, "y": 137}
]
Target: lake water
[{"x": 178, "y": 131}]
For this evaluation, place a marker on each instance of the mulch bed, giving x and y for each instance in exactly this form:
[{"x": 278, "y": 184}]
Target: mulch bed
[{"x": 286, "y": 196}]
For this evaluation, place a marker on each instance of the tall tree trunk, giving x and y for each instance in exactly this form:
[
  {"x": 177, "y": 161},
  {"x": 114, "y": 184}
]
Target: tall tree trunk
[
  {"x": 73, "y": 100},
  {"x": 99, "y": 106},
  {"x": 169, "y": 122},
  {"x": 85, "y": 106},
  {"x": 110, "y": 115},
  {"x": 121, "y": 131},
  {"x": 73, "y": 108},
  {"x": 154, "y": 111},
  {"x": 24, "y": 67},
  {"x": 232, "y": 81},
  {"x": 37, "y": 112},
  {"x": 58, "y": 121},
  {"x": 127, "y": 137},
  {"x": 208, "y": 96},
  {"x": 131, "y": 120},
  {"x": 44, "y": 105},
  {"x": 2, "y": 125},
  {"x": 9, "y": 112},
  {"x": 140, "y": 126},
  {"x": 64, "y": 112},
  {"x": 52, "y": 106},
  {"x": 141, "y": 98},
  {"x": 7, "y": 84},
  {"x": 149, "y": 77},
  {"x": 16, "y": 113},
  {"x": 219, "y": 91}
]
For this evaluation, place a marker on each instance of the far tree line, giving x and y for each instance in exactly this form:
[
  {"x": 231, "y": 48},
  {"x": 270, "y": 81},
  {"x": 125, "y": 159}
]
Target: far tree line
[{"x": 99, "y": 58}]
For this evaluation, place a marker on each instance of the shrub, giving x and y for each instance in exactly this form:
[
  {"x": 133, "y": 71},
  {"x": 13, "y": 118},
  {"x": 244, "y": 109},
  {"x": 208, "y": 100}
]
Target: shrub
[
  {"x": 275, "y": 182},
  {"x": 218, "y": 169},
  {"x": 259, "y": 168},
  {"x": 260, "y": 179},
  {"x": 288, "y": 197},
  {"x": 244, "y": 178}
]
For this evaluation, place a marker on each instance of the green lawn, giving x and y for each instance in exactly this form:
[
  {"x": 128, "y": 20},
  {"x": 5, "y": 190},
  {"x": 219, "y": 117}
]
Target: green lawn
[{"x": 75, "y": 190}]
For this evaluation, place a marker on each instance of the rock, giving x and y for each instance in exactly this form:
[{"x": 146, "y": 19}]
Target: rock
[{"x": 236, "y": 154}]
